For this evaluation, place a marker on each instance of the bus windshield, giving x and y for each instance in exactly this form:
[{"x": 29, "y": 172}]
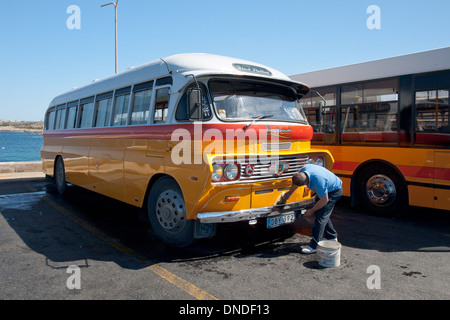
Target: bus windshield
[{"x": 247, "y": 100}]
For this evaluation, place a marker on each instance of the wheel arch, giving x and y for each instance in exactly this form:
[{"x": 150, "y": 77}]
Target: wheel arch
[
  {"x": 182, "y": 233},
  {"x": 51, "y": 175},
  {"x": 355, "y": 196},
  {"x": 152, "y": 181}
]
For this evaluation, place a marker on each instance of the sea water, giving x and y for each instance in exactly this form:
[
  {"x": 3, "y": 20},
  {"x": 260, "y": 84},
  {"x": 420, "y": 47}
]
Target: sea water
[{"x": 20, "y": 146}]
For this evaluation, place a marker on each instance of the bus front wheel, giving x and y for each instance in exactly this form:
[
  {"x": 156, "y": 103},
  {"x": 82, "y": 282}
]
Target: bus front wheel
[
  {"x": 382, "y": 191},
  {"x": 167, "y": 214}
]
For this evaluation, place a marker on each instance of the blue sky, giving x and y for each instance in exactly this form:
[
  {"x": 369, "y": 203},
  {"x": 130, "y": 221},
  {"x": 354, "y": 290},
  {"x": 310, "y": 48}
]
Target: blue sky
[{"x": 40, "y": 57}]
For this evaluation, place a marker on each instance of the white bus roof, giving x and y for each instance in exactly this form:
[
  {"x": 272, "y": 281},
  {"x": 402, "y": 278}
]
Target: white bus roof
[
  {"x": 178, "y": 66},
  {"x": 427, "y": 61}
]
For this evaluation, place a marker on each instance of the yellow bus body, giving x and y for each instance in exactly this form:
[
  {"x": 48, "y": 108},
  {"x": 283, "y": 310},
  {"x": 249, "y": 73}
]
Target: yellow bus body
[{"x": 425, "y": 171}]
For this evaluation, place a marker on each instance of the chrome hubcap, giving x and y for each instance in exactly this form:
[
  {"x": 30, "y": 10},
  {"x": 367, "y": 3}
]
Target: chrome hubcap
[
  {"x": 170, "y": 211},
  {"x": 380, "y": 190}
]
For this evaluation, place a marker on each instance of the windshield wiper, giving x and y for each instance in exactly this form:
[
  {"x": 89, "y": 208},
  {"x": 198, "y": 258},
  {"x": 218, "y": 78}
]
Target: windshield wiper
[{"x": 257, "y": 119}]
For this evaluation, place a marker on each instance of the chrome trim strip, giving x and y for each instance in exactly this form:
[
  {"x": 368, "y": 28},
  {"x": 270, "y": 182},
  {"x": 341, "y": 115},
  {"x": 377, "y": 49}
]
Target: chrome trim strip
[
  {"x": 250, "y": 214},
  {"x": 282, "y": 146},
  {"x": 264, "y": 191}
]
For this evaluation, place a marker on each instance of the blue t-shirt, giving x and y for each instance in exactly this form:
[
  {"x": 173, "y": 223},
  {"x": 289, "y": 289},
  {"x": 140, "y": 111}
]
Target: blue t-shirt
[{"x": 321, "y": 180}]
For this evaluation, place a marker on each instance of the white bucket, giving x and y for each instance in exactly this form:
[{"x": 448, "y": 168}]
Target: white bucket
[{"x": 329, "y": 253}]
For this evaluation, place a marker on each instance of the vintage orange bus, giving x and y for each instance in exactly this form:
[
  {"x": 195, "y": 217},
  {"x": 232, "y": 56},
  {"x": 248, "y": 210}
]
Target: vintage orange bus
[
  {"x": 386, "y": 123},
  {"x": 196, "y": 139}
]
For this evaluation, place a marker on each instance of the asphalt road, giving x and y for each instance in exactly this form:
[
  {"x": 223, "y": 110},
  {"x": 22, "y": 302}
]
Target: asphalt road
[{"x": 117, "y": 256}]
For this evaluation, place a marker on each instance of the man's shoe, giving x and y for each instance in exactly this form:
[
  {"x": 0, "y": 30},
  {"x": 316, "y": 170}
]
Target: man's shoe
[
  {"x": 334, "y": 239},
  {"x": 308, "y": 250}
]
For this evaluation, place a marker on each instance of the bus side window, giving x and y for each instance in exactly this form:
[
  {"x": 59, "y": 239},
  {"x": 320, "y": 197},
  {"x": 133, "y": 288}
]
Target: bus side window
[
  {"x": 51, "y": 120},
  {"x": 103, "y": 112},
  {"x": 121, "y": 102},
  {"x": 86, "y": 113},
  {"x": 432, "y": 111},
  {"x": 103, "y": 106},
  {"x": 140, "y": 106},
  {"x": 71, "y": 115},
  {"x": 60, "y": 117},
  {"x": 161, "y": 105}
]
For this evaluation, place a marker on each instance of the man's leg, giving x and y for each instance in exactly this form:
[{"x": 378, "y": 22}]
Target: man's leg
[
  {"x": 322, "y": 222},
  {"x": 330, "y": 232}
]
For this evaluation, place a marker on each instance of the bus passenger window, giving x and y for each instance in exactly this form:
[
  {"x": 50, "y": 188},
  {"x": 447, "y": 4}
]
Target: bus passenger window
[
  {"x": 432, "y": 111},
  {"x": 60, "y": 117},
  {"x": 352, "y": 94},
  {"x": 161, "y": 105},
  {"x": 321, "y": 114},
  {"x": 71, "y": 115},
  {"x": 103, "y": 112},
  {"x": 51, "y": 120},
  {"x": 140, "y": 107},
  {"x": 86, "y": 112},
  {"x": 121, "y": 110}
]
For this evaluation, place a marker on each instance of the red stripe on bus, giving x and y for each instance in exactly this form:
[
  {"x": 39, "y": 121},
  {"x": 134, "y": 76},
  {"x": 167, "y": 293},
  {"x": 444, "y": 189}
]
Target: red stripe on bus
[
  {"x": 407, "y": 171},
  {"x": 345, "y": 165},
  {"x": 442, "y": 173},
  {"x": 417, "y": 172},
  {"x": 283, "y": 132}
]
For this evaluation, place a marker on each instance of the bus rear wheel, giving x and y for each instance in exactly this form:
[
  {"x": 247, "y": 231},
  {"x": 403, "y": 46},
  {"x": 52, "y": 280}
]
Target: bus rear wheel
[
  {"x": 382, "y": 191},
  {"x": 60, "y": 176},
  {"x": 167, "y": 214}
]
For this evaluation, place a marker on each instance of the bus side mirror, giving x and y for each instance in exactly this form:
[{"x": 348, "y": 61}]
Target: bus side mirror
[{"x": 194, "y": 104}]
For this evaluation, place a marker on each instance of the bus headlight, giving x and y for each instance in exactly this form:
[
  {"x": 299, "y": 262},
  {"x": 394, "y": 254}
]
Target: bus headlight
[
  {"x": 217, "y": 172},
  {"x": 320, "y": 161},
  {"x": 231, "y": 171},
  {"x": 317, "y": 160}
]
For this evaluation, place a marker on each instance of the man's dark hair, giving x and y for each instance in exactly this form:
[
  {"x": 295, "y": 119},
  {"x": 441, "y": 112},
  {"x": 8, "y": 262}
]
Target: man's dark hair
[{"x": 300, "y": 179}]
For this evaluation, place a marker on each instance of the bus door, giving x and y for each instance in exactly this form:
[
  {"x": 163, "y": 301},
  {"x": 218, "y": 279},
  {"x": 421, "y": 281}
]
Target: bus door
[
  {"x": 145, "y": 157},
  {"x": 109, "y": 143},
  {"x": 441, "y": 180}
]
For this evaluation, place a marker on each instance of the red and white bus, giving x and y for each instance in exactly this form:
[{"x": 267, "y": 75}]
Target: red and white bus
[{"x": 196, "y": 139}]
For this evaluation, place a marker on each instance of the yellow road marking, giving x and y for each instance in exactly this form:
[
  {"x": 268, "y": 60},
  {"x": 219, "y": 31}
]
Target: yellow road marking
[
  {"x": 181, "y": 283},
  {"x": 154, "y": 267}
]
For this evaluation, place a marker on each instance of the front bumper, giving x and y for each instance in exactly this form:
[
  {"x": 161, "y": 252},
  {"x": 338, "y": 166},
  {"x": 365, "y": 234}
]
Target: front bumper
[{"x": 251, "y": 214}]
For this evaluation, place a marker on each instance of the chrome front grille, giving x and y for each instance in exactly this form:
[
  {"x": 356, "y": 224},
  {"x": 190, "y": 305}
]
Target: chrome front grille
[{"x": 263, "y": 168}]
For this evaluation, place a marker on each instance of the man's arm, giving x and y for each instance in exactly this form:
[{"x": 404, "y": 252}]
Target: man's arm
[{"x": 285, "y": 196}]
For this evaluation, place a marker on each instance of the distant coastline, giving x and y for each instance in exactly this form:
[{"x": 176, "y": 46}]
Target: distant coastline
[{"x": 21, "y": 126}]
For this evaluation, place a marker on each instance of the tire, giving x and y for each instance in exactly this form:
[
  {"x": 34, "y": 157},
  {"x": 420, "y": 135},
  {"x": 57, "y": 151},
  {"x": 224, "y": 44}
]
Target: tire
[
  {"x": 60, "y": 176},
  {"x": 167, "y": 214},
  {"x": 382, "y": 191}
]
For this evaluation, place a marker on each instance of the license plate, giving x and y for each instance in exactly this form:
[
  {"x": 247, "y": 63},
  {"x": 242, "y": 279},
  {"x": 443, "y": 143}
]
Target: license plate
[{"x": 280, "y": 220}]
